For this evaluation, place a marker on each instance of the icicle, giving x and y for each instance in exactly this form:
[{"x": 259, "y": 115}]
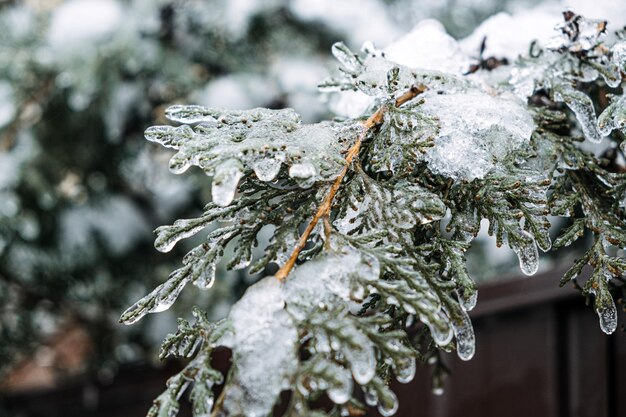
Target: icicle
[
  {"x": 464, "y": 334},
  {"x": 225, "y": 181},
  {"x": 528, "y": 255},
  {"x": 581, "y": 105},
  {"x": 441, "y": 332}
]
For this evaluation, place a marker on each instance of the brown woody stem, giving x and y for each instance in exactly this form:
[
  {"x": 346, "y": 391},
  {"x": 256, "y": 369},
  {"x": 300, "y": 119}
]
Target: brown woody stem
[{"x": 324, "y": 209}]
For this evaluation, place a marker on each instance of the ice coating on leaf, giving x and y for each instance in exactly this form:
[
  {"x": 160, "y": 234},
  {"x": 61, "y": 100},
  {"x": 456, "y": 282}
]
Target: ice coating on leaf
[
  {"x": 326, "y": 375},
  {"x": 327, "y": 280},
  {"x": 375, "y": 206},
  {"x": 476, "y": 131},
  {"x": 206, "y": 276},
  {"x": 160, "y": 299},
  {"x": 225, "y": 181},
  {"x": 349, "y": 60},
  {"x": 619, "y": 54},
  {"x": 581, "y": 105},
  {"x": 526, "y": 76},
  {"x": 261, "y": 140},
  {"x": 379, "y": 76},
  {"x": 168, "y": 236},
  {"x": 613, "y": 117},
  {"x": 527, "y": 254},
  {"x": 577, "y": 33},
  {"x": 264, "y": 347},
  {"x": 464, "y": 335}
]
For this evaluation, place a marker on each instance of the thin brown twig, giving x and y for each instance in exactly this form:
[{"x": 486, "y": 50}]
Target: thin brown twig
[
  {"x": 324, "y": 209},
  {"x": 219, "y": 403}
]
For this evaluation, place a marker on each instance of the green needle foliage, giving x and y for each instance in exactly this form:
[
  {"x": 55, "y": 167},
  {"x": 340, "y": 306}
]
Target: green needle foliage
[{"x": 382, "y": 280}]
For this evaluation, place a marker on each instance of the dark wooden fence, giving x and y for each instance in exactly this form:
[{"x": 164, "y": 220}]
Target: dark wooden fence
[{"x": 539, "y": 353}]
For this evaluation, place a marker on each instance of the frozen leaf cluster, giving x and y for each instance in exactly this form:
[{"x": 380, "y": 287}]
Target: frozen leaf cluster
[{"x": 371, "y": 217}]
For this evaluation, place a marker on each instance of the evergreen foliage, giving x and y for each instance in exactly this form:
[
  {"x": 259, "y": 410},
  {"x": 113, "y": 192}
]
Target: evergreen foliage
[{"x": 372, "y": 216}]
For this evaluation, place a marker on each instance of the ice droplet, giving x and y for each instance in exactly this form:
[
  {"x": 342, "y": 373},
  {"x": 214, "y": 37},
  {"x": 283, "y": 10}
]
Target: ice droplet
[
  {"x": 581, "y": 105},
  {"x": 388, "y": 405},
  {"x": 441, "y": 332},
  {"x": 607, "y": 314},
  {"x": 605, "y": 306},
  {"x": 464, "y": 334},
  {"x": 362, "y": 363},
  {"x": 266, "y": 168},
  {"x": 304, "y": 170},
  {"x": 405, "y": 372},
  {"x": 206, "y": 277},
  {"x": 225, "y": 181},
  {"x": 528, "y": 255}
]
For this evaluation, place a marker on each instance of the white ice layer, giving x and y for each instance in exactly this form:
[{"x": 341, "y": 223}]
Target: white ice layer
[
  {"x": 477, "y": 131},
  {"x": 264, "y": 344}
]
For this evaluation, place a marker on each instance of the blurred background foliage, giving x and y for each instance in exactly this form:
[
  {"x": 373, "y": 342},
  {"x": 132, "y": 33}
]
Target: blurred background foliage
[{"x": 81, "y": 190}]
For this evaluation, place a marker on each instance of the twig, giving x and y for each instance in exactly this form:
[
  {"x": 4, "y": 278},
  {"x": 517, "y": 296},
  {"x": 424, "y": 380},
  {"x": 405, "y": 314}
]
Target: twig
[
  {"x": 219, "y": 403},
  {"x": 324, "y": 209}
]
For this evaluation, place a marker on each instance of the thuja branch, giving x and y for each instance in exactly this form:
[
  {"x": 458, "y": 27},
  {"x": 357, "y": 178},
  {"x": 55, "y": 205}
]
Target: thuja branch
[{"x": 324, "y": 209}]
